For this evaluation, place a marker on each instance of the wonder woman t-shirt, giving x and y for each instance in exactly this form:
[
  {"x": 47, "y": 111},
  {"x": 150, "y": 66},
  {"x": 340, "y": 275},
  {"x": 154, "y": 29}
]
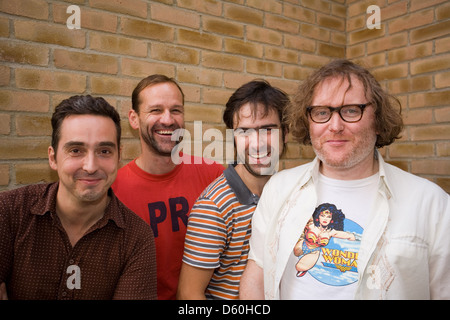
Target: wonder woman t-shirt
[{"x": 323, "y": 263}]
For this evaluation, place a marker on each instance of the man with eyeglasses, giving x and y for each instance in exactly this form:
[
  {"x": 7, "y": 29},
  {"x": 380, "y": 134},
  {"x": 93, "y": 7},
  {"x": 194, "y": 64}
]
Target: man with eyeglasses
[
  {"x": 218, "y": 232},
  {"x": 348, "y": 225}
]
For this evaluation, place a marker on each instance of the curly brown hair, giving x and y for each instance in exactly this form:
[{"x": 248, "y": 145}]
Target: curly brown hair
[{"x": 388, "y": 119}]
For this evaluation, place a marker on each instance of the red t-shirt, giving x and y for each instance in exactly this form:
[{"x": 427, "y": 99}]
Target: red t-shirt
[{"x": 164, "y": 201}]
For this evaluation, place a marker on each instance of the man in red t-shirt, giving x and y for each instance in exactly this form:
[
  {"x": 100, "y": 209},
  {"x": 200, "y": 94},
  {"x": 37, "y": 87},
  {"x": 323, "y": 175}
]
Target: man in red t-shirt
[{"x": 160, "y": 191}]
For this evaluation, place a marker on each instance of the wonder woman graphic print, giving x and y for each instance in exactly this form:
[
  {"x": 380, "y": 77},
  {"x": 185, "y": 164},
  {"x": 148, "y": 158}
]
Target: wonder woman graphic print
[{"x": 328, "y": 247}]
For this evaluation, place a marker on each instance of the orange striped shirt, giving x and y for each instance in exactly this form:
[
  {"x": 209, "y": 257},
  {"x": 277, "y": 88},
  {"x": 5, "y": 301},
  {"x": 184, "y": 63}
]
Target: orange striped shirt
[{"x": 218, "y": 233}]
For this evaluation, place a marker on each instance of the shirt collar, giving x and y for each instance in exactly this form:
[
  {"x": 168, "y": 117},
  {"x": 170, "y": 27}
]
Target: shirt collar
[
  {"x": 47, "y": 204},
  {"x": 313, "y": 174},
  {"x": 243, "y": 194},
  {"x": 384, "y": 181}
]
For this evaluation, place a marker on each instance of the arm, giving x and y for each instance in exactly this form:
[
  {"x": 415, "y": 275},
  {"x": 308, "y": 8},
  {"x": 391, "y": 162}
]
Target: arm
[
  {"x": 6, "y": 246},
  {"x": 3, "y": 293},
  {"x": 252, "y": 282},
  {"x": 439, "y": 259},
  {"x": 193, "y": 282},
  {"x": 138, "y": 280},
  {"x": 203, "y": 246}
]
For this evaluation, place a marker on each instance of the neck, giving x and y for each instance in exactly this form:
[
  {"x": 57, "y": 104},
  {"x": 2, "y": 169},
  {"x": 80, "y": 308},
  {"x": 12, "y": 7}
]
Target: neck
[
  {"x": 154, "y": 163},
  {"x": 363, "y": 169},
  {"x": 77, "y": 216},
  {"x": 254, "y": 183}
]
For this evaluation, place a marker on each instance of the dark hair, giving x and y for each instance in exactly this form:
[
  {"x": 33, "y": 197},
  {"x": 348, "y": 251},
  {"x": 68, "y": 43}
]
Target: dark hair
[
  {"x": 80, "y": 105},
  {"x": 388, "y": 119},
  {"x": 337, "y": 216},
  {"x": 257, "y": 92},
  {"x": 147, "y": 82}
]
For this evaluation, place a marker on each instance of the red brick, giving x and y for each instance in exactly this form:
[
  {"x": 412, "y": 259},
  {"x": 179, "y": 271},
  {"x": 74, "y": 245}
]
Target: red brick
[
  {"x": 50, "y": 80},
  {"x": 29, "y": 173},
  {"x": 49, "y": 33},
  {"x": 221, "y": 26},
  {"x": 171, "y": 53},
  {"x": 90, "y": 19},
  {"x": 119, "y": 45},
  {"x": 4, "y": 174},
  {"x": 411, "y": 21},
  {"x": 33, "y": 125},
  {"x": 136, "y": 8},
  {"x": 434, "y": 167},
  {"x": 172, "y": 15},
  {"x": 222, "y": 61},
  {"x": 85, "y": 62},
  {"x": 5, "y": 123},
  {"x": 24, "y": 101},
  {"x": 143, "y": 68},
  {"x": 19, "y": 52},
  {"x": 147, "y": 30},
  {"x": 15, "y": 149},
  {"x": 37, "y": 9},
  {"x": 212, "y": 7},
  {"x": 243, "y": 14}
]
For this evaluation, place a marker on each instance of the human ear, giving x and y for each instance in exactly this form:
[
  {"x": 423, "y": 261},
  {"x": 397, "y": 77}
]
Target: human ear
[
  {"x": 133, "y": 118},
  {"x": 52, "y": 158}
]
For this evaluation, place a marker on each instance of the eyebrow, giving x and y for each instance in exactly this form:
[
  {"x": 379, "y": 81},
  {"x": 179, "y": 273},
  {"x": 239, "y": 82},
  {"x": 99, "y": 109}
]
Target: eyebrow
[
  {"x": 152, "y": 106},
  {"x": 267, "y": 126},
  {"x": 82, "y": 144}
]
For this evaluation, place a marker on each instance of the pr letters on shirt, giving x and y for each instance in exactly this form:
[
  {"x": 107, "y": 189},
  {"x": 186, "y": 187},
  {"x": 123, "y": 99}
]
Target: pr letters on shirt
[{"x": 178, "y": 207}]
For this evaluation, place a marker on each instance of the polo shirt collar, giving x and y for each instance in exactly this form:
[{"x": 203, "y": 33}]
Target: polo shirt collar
[{"x": 243, "y": 194}]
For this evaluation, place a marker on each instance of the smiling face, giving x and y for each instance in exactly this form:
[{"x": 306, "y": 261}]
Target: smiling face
[
  {"x": 338, "y": 144},
  {"x": 325, "y": 218},
  {"x": 87, "y": 158},
  {"x": 258, "y": 140},
  {"x": 161, "y": 112}
]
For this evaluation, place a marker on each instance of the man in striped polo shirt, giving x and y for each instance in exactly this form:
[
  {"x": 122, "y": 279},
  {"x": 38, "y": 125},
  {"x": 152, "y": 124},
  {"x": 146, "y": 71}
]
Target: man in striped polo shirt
[{"x": 218, "y": 233}]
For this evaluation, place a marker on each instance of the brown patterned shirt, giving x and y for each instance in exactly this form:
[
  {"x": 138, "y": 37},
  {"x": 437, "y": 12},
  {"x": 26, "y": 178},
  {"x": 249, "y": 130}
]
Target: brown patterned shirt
[{"x": 115, "y": 259}]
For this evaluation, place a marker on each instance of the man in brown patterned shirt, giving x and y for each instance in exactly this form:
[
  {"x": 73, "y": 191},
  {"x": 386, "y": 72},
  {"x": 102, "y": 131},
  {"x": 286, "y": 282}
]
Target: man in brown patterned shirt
[{"x": 74, "y": 239}]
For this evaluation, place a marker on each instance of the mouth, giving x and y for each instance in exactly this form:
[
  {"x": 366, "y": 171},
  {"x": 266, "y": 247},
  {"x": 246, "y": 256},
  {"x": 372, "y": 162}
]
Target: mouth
[
  {"x": 260, "y": 159},
  {"x": 336, "y": 143},
  {"x": 165, "y": 132},
  {"x": 90, "y": 182},
  {"x": 258, "y": 156}
]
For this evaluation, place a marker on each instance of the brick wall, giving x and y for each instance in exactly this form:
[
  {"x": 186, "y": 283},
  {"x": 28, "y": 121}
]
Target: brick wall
[
  {"x": 212, "y": 47},
  {"x": 410, "y": 55}
]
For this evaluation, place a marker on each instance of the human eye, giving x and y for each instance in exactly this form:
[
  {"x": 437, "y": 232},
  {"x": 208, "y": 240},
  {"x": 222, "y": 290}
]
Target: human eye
[
  {"x": 73, "y": 149},
  {"x": 177, "y": 110},
  {"x": 154, "y": 110},
  {"x": 321, "y": 112},
  {"x": 106, "y": 151},
  {"x": 352, "y": 110},
  {"x": 244, "y": 132},
  {"x": 239, "y": 132}
]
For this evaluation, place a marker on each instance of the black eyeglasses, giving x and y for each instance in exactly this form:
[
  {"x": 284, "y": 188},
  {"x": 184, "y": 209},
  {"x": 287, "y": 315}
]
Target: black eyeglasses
[{"x": 348, "y": 113}]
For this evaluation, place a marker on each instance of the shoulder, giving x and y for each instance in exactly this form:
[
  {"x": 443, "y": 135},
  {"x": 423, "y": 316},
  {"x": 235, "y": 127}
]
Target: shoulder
[
  {"x": 133, "y": 225},
  {"x": 287, "y": 178},
  {"x": 27, "y": 194},
  {"x": 215, "y": 190},
  {"x": 125, "y": 169},
  {"x": 410, "y": 185},
  {"x": 203, "y": 168}
]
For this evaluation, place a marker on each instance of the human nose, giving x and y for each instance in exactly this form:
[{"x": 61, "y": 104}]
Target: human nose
[
  {"x": 336, "y": 124},
  {"x": 90, "y": 163},
  {"x": 166, "y": 118}
]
